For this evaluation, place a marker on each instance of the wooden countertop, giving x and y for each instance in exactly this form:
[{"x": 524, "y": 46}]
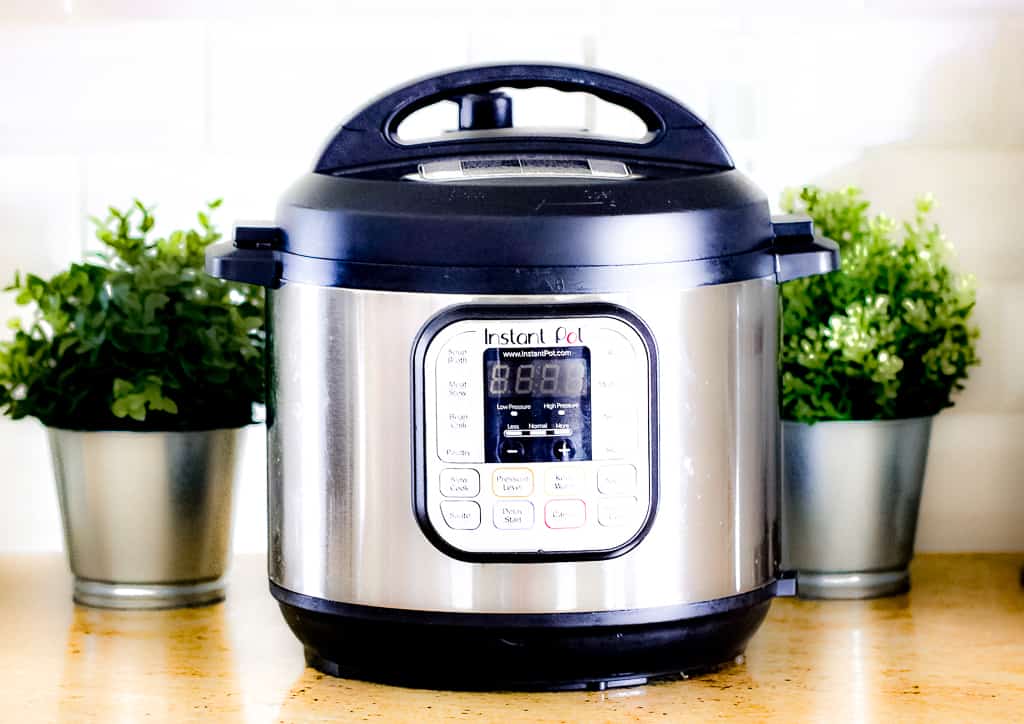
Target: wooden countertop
[{"x": 951, "y": 649}]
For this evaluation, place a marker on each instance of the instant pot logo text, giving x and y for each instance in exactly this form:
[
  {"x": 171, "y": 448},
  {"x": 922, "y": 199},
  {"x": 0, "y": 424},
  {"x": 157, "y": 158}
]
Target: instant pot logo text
[{"x": 561, "y": 335}]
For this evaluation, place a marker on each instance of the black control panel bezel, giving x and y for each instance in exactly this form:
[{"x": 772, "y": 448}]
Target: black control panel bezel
[{"x": 419, "y": 428}]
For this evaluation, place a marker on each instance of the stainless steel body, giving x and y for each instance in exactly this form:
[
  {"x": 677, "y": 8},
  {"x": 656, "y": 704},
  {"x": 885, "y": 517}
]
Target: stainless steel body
[
  {"x": 147, "y": 515},
  {"x": 342, "y": 526},
  {"x": 851, "y": 493}
]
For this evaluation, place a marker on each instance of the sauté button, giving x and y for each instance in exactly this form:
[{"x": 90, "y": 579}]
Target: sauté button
[
  {"x": 461, "y": 514},
  {"x": 513, "y": 515},
  {"x": 567, "y": 513},
  {"x": 512, "y": 482},
  {"x": 616, "y": 512},
  {"x": 616, "y": 480},
  {"x": 460, "y": 483},
  {"x": 563, "y": 449},
  {"x": 564, "y": 480}
]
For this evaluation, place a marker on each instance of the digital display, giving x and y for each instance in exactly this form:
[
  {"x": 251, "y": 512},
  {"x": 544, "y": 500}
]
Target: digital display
[
  {"x": 537, "y": 404},
  {"x": 537, "y": 378}
]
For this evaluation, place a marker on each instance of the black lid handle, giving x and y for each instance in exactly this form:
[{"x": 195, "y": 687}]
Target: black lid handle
[
  {"x": 675, "y": 134},
  {"x": 799, "y": 250}
]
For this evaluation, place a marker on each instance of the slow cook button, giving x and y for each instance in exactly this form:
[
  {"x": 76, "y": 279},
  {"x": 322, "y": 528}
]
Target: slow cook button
[
  {"x": 616, "y": 512},
  {"x": 568, "y": 513},
  {"x": 460, "y": 483},
  {"x": 616, "y": 480},
  {"x": 563, "y": 480},
  {"x": 514, "y": 515},
  {"x": 461, "y": 514},
  {"x": 512, "y": 482}
]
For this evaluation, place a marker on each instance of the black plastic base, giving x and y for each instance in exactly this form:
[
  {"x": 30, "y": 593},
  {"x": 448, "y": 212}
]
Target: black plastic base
[{"x": 428, "y": 654}]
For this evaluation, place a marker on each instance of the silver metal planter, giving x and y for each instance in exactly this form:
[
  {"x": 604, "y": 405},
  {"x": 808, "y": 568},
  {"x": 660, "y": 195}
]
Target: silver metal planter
[
  {"x": 850, "y": 498},
  {"x": 147, "y": 515}
]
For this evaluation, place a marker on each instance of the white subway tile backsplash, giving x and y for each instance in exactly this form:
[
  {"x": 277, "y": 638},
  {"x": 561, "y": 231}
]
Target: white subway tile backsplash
[
  {"x": 176, "y": 103},
  {"x": 972, "y": 494},
  {"x": 283, "y": 88},
  {"x": 180, "y": 184},
  {"x": 977, "y": 191},
  {"x": 997, "y": 385},
  {"x": 29, "y": 514},
  {"x": 40, "y": 212},
  {"x": 132, "y": 86}
]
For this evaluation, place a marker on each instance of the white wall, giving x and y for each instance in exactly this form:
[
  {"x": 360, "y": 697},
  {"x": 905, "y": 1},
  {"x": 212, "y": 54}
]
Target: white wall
[{"x": 177, "y": 102}]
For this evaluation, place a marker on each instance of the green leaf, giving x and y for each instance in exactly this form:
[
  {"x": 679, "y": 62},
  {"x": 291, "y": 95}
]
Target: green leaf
[
  {"x": 888, "y": 335},
  {"x": 137, "y": 337}
]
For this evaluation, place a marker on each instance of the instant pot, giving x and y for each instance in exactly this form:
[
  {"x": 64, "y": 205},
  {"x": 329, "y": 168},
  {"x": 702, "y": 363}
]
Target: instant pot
[{"x": 522, "y": 418}]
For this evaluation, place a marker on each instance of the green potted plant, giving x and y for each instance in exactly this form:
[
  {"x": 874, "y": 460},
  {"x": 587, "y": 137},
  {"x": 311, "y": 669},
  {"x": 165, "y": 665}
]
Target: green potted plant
[
  {"x": 144, "y": 370},
  {"x": 870, "y": 354}
]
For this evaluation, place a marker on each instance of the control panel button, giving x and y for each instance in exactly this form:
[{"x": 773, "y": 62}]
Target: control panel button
[
  {"x": 511, "y": 451},
  {"x": 456, "y": 453},
  {"x": 564, "y": 480},
  {"x": 512, "y": 482},
  {"x": 461, "y": 514},
  {"x": 513, "y": 515},
  {"x": 460, "y": 483},
  {"x": 568, "y": 513},
  {"x": 616, "y": 480},
  {"x": 616, "y": 512},
  {"x": 564, "y": 450}
]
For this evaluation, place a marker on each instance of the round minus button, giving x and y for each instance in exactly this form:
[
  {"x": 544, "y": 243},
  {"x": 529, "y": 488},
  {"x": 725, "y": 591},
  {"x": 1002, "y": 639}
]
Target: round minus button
[{"x": 511, "y": 451}]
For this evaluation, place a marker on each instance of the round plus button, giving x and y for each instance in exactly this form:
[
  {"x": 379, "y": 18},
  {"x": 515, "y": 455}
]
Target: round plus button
[{"x": 564, "y": 450}]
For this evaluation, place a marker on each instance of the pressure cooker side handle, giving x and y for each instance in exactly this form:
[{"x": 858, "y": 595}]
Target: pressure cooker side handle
[
  {"x": 675, "y": 135},
  {"x": 799, "y": 252}
]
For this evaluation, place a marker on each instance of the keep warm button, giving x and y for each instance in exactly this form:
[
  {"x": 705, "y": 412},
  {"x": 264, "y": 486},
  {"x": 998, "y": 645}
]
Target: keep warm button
[
  {"x": 517, "y": 515},
  {"x": 512, "y": 482}
]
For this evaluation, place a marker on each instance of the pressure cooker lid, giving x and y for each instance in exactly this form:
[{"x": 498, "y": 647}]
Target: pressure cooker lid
[{"x": 494, "y": 208}]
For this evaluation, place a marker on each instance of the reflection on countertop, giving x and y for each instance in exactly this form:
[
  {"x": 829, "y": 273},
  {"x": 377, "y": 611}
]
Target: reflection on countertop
[{"x": 953, "y": 648}]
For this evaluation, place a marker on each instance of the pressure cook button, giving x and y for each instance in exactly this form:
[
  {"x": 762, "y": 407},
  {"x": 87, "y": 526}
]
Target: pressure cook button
[
  {"x": 512, "y": 482},
  {"x": 563, "y": 480},
  {"x": 461, "y": 514},
  {"x": 514, "y": 515},
  {"x": 460, "y": 483},
  {"x": 616, "y": 512},
  {"x": 616, "y": 480},
  {"x": 568, "y": 513}
]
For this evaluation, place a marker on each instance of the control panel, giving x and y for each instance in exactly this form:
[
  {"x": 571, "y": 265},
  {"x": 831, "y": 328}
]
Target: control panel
[{"x": 536, "y": 434}]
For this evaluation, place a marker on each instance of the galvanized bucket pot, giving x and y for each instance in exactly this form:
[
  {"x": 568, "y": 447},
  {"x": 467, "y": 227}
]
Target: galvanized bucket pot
[
  {"x": 850, "y": 496},
  {"x": 147, "y": 515}
]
